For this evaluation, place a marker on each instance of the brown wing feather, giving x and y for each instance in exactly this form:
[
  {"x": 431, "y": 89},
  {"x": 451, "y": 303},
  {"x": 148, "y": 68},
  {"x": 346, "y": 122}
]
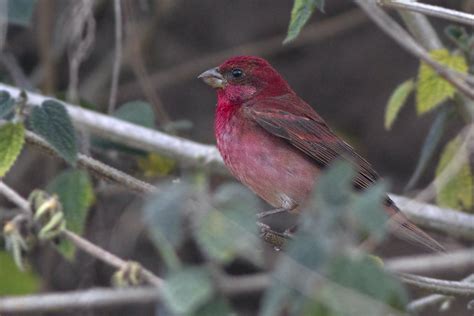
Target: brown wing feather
[{"x": 311, "y": 135}]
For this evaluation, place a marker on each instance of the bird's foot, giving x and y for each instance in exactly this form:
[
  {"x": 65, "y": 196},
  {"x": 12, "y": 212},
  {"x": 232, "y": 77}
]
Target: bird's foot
[{"x": 271, "y": 212}]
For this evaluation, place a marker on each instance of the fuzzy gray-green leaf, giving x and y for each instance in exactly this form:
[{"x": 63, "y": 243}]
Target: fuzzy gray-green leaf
[{"x": 52, "y": 122}]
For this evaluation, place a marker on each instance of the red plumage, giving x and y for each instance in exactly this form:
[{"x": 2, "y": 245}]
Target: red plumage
[{"x": 277, "y": 145}]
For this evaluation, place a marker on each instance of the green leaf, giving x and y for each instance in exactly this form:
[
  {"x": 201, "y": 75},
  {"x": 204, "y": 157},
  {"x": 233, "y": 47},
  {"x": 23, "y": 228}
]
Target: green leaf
[
  {"x": 51, "y": 121},
  {"x": 432, "y": 89},
  {"x": 137, "y": 112},
  {"x": 186, "y": 290},
  {"x": 456, "y": 191},
  {"x": 14, "y": 281},
  {"x": 300, "y": 14},
  {"x": 20, "y": 11},
  {"x": 369, "y": 212},
  {"x": 75, "y": 192},
  {"x": 163, "y": 214},
  {"x": 429, "y": 146},
  {"x": 12, "y": 138},
  {"x": 7, "y": 104},
  {"x": 397, "y": 101},
  {"x": 364, "y": 276},
  {"x": 229, "y": 230},
  {"x": 217, "y": 306}
]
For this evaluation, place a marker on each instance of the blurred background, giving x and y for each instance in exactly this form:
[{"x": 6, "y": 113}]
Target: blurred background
[{"x": 341, "y": 64}]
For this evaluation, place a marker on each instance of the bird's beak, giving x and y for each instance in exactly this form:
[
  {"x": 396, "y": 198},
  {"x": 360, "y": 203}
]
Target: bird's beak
[{"x": 213, "y": 78}]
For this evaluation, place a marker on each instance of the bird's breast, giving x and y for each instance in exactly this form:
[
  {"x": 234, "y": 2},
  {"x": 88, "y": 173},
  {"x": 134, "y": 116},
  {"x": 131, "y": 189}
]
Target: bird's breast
[{"x": 268, "y": 165}]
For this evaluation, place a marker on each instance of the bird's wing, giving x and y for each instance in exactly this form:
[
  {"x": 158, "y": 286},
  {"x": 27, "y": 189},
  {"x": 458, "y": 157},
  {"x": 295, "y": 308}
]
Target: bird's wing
[
  {"x": 303, "y": 128},
  {"x": 308, "y": 132}
]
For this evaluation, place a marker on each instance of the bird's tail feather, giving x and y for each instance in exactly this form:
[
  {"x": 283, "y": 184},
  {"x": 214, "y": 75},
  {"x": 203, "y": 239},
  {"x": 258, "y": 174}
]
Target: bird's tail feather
[{"x": 402, "y": 228}]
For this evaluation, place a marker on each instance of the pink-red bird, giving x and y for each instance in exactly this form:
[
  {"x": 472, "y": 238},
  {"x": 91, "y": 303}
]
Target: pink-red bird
[{"x": 277, "y": 145}]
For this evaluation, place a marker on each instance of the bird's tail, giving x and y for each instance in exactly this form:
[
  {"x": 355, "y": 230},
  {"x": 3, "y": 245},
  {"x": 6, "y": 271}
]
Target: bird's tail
[{"x": 402, "y": 228}]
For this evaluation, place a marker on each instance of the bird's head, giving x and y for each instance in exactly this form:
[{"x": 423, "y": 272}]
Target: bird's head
[{"x": 241, "y": 78}]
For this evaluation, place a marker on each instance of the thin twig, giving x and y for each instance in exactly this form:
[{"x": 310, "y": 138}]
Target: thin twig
[
  {"x": 394, "y": 30},
  {"x": 118, "y": 55},
  {"x": 431, "y": 10},
  {"x": 79, "y": 300},
  {"x": 437, "y": 285},
  {"x": 96, "y": 167},
  {"x": 432, "y": 299},
  {"x": 78, "y": 241}
]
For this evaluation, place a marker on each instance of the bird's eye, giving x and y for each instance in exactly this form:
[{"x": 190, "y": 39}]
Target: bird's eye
[{"x": 237, "y": 73}]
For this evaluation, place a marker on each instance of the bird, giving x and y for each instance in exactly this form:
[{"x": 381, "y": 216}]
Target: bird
[{"x": 277, "y": 145}]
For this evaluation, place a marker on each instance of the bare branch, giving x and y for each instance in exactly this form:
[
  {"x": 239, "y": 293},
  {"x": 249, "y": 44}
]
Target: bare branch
[
  {"x": 437, "y": 285},
  {"x": 80, "y": 300},
  {"x": 431, "y": 10},
  {"x": 423, "y": 302},
  {"x": 118, "y": 55},
  {"x": 432, "y": 263}
]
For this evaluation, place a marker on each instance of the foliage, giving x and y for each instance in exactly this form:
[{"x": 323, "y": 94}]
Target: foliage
[
  {"x": 14, "y": 281},
  {"x": 51, "y": 121},
  {"x": 7, "y": 104},
  {"x": 186, "y": 290},
  {"x": 457, "y": 192},
  {"x": 20, "y": 11},
  {"x": 430, "y": 144},
  {"x": 320, "y": 255},
  {"x": 155, "y": 165},
  {"x": 12, "y": 138},
  {"x": 397, "y": 100},
  {"x": 300, "y": 14},
  {"x": 75, "y": 192},
  {"x": 431, "y": 89},
  {"x": 142, "y": 114}
]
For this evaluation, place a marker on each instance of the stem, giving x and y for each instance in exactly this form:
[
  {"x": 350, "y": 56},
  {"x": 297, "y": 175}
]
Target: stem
[
  {"x": 118, "y": 55},
  {"x": 431, "y": 10},
  {"x": 96, "y": 167}
]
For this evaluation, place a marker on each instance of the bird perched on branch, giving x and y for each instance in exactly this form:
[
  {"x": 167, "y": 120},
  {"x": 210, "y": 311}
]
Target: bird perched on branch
[{"x": 277, "y": 145}]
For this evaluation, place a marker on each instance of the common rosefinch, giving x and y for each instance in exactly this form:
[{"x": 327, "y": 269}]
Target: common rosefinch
[{"x": 277, "y": 145}]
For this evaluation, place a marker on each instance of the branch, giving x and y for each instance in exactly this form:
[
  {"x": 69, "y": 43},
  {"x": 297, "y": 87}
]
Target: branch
[
  {"x": 431, "y": 10},
  {"x": 96, "y": 167},
  {"x": 453, "y": 222},
  {"x": 187, "y": 152},
  {"x": 195, "y": 154},
  {"x": 437, "y": 285},
  {"x": 432, "y": 263},
  {"x": 78, "y": 241},
  {"x": 423, "y": 302},
  {"x": 87, "y": 299},
  {"x": 394, "y": 30}
]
